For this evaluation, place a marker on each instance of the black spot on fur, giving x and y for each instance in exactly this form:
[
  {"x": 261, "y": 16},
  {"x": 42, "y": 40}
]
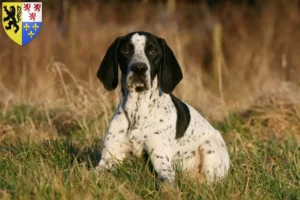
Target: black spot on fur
[
  {"x": 145, "y": 136},
  {"x": 121, "y": 131},
  {"x": 167, "y": 158},
  {"x": 193, "y": 153},
  {"x": 183, "y": 116},
  {"x": 209, "y": 152},
  {"x": 206, "y": 142},
  {"x": 156, "y": 132},
  {"x": 161, "y": 120}
]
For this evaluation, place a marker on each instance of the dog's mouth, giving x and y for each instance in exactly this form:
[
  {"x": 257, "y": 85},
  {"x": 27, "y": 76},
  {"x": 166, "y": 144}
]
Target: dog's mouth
[
  {"x": 140, "y": 87},
  {"x": 138, "y": 84}
]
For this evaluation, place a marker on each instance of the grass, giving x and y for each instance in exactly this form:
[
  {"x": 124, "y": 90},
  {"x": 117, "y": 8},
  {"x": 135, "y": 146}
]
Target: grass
[
  {"x": 244, "y": 80},
  {"x": 62, "y": 167}
]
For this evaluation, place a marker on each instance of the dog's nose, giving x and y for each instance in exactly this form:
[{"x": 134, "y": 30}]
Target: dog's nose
[{"x": 139, "y": 68}]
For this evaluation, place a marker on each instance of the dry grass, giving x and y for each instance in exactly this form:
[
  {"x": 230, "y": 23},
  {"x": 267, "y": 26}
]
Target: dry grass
[
  {"x": 259, "y": 49},
  {"x": 244, "y": 78}
]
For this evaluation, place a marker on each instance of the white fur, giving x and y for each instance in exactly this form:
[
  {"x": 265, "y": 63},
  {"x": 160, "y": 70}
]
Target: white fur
[
  {"x": 139, "y": 55},
  {"x": 147, "y": 121}
]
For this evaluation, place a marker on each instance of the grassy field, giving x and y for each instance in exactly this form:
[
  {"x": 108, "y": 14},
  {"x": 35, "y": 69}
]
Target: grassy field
[
  {"x": 241, "y": 71},
  {"x": 264, "y": 165}
]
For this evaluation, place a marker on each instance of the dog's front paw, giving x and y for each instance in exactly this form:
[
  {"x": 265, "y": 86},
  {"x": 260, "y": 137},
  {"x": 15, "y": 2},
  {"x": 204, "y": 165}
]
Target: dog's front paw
[
  {"x": 168, "y": 189},
  {"x": 167, "y": 184},
  {"x": 99, "y": 169},
  {"x": 105, "y": 165},
  {"x": 102, "y": 166}
]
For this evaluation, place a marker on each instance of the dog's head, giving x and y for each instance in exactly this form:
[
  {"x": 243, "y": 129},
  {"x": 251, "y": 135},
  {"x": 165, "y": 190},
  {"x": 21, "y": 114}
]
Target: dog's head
[{"x": 142, "y": 57}]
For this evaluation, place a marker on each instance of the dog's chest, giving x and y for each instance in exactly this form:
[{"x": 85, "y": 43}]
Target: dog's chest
[{"x": 147, "y": 115}]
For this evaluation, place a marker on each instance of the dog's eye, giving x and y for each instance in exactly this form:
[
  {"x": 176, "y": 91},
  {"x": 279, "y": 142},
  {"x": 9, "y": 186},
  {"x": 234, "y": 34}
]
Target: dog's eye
[
  {"x": 153, "y": 52},
  {"x": 127, "y": 51}
]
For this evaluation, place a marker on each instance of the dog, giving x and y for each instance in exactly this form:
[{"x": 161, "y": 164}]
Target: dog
[{"x": 149, "y": 117}]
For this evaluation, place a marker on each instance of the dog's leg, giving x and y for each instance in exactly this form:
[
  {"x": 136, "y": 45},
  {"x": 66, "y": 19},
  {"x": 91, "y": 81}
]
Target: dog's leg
[
  {"x": 214, "y": 159},
  {"x": 116, "y": 142},
  {"x": 160, "y": 150}
]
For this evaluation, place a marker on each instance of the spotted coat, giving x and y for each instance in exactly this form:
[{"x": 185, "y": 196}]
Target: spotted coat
[{"x": 150, "y": 118}]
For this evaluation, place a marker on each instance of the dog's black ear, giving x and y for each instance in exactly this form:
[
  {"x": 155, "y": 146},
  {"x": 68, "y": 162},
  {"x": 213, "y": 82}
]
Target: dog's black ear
[
  {"x": 108, "y": 70},
  {"x": 170, "y": 73}
]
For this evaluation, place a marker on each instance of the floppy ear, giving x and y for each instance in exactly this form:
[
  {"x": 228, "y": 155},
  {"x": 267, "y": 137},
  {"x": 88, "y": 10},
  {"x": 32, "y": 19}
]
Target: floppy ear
[
  {"x": 170, "y": 72},
  {"x": 108, "y": 70}
]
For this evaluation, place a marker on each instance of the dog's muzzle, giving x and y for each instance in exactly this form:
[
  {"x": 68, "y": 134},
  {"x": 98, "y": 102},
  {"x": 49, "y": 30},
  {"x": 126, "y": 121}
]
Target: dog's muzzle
[{"x": 138, "y": 77}]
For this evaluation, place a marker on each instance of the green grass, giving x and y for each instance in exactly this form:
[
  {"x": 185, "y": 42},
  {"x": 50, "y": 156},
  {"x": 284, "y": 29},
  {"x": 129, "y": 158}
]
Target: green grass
[{"x": 62, "y": 167}]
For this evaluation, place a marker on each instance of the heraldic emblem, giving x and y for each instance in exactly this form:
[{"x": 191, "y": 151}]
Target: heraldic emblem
[{"x": 22, "y": 21}]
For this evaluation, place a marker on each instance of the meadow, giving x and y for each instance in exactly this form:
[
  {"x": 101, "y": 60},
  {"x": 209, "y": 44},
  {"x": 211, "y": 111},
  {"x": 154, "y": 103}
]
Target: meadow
[{"x": 241, "y": 72}]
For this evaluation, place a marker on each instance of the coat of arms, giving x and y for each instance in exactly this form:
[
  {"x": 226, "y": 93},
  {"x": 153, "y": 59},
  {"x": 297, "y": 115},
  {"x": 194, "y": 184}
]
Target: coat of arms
[{"x": 22, "y": 21}]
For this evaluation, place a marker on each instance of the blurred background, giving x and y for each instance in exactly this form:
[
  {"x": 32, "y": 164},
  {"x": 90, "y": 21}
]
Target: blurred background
[
  {"x": 241, "y": 65},
  {"x": 233, "y": 53}
]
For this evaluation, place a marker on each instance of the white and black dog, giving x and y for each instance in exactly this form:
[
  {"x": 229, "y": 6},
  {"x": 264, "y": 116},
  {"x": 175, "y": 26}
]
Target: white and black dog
[{"x": 150, "y": 118}]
